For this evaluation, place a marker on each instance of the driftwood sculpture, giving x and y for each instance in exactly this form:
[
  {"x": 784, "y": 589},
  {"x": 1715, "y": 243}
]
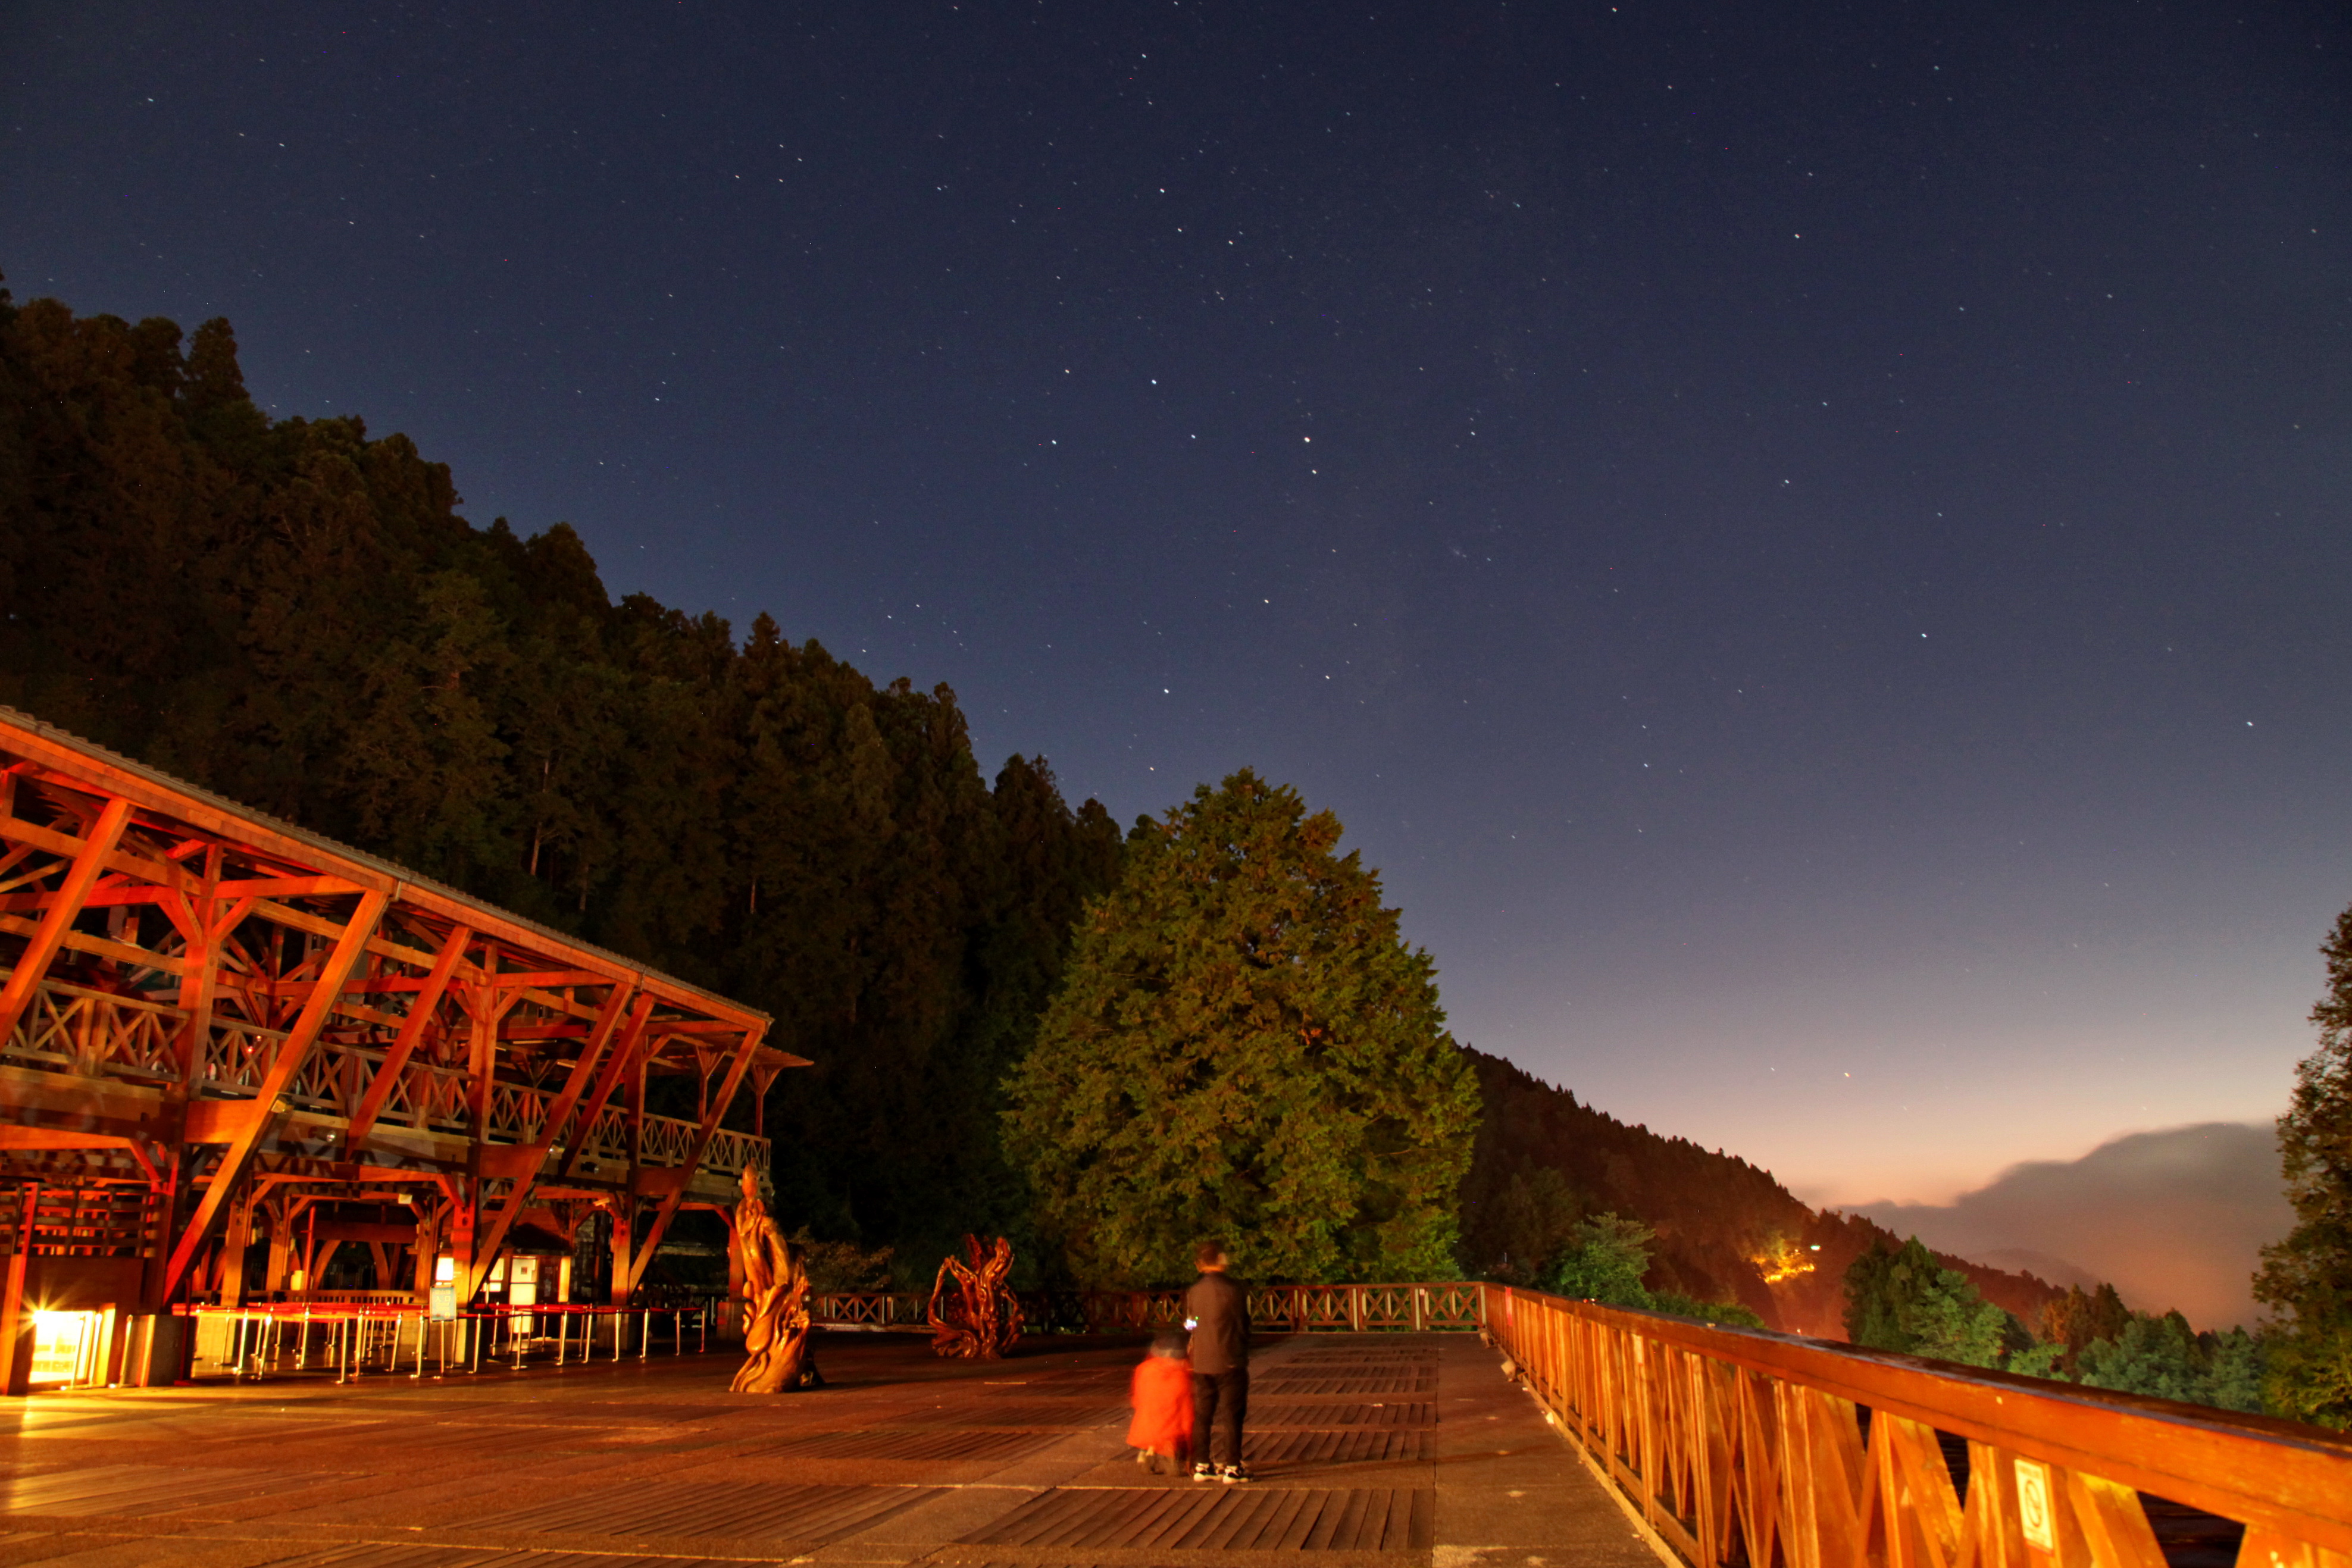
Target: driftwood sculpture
[
  {"x": 974, "y": 1314},
  {"x": 776, "y": 1300}
]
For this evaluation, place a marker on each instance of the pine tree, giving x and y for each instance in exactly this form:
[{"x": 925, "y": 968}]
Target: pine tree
[
  {"x": 1244, "y": 1048},
  {"x": 2306, "y": 1278}
]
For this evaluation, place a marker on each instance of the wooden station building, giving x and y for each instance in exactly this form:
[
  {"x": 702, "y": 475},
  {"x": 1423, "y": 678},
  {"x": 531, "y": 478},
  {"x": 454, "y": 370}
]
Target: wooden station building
[{"x": 223, "y": 1039}]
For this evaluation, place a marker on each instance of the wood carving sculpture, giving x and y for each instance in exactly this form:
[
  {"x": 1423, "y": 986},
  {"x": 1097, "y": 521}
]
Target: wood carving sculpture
[
  {"x": 974, "y": 1314},
  {"x": 776, "y": 1300}
]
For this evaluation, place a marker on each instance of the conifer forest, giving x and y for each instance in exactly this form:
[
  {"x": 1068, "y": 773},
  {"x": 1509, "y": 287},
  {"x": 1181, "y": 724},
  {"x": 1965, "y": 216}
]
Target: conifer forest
[{"x": 294, "y": 614}]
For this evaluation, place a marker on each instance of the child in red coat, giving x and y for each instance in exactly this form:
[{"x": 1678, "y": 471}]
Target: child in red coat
[{"x": 1162, "y": 1393}]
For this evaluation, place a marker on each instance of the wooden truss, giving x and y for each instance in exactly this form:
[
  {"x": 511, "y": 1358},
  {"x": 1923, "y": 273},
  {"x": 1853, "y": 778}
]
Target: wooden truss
[{"x": 227, "y": 1017}]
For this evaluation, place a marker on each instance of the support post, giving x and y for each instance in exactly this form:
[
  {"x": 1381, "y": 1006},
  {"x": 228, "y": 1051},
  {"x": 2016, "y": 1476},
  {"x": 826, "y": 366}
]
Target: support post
[
  {"x": 624, "y": 1210},
  {"x": 15, "y": 1313},
  {"x": 281, "y": 1246},
  {"x": 235, "y": 1244}
]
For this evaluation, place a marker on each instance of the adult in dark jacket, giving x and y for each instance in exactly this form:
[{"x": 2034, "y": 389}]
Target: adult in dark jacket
[{"x": 1216, "y": 1308}]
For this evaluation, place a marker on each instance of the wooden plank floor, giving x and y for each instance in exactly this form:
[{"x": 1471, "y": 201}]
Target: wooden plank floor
[{"x": 1382, "y": 1450}]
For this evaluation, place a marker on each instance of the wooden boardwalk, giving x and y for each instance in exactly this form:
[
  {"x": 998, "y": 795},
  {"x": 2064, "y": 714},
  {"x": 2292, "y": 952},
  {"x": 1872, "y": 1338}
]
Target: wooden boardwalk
[{"x": 1381, "y": 1449}]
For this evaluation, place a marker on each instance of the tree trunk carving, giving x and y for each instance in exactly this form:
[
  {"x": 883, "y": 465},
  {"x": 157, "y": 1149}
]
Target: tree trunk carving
[
  {"x": 775, "y": 1301},
  {"x": 975, "y": 1315}
]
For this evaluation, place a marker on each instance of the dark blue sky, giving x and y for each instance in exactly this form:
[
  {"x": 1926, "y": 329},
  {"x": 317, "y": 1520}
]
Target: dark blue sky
[{"x": 1807, "y": 542}]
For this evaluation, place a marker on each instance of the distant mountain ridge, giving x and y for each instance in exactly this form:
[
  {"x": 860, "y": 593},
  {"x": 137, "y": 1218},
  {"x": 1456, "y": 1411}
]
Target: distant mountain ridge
[
  {"x": 1727, "y": 1230},
  {"x": 2175, "y": 1218}
]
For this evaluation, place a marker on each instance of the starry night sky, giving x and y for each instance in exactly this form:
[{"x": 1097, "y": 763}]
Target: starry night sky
[{"x": 1808, "y": 543}]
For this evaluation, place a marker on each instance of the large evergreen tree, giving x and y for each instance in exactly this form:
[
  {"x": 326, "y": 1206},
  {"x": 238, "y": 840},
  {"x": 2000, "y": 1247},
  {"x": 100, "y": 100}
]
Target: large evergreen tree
[
  {"x": 2306, "y": 1278},
  {"x": 1244, "y": 1048}
]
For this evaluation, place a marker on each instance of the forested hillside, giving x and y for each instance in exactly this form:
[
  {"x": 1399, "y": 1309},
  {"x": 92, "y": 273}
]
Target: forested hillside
[
  {"x": 294, "y": 614},
  {"x": 1726, "y": 1231}
]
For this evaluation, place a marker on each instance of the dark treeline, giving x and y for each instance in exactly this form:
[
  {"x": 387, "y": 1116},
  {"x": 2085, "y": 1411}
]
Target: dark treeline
[{"x": 295, "y": 615}]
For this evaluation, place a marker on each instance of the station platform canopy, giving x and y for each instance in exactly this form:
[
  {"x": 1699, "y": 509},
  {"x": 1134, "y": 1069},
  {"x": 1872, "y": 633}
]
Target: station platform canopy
[{"x": 218, "y": 1030}]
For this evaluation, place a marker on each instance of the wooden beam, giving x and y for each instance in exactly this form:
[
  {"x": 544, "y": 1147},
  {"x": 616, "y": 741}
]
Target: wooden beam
[
  {"x": 486, "y": 1008},
  {"x": 75, "y": 765},
  {"x": 162, "y": 873},
  {"x": 17, "y": 995},
  {"x": 544, "y": 977},
  {"x": 112, "y": 895},
  {"x": 231, "y": 1171},
  {"x": 583, "y": 1072},
  {"x": 200, "y": 964},
  {"x": 662, "y": 1216},
  {"x": 411, "y": 1032},
  {"x": 15, "y": 1137},
  {"x": 615, "y": 1068},
  {"x": 96, "y": 947},
  {"x": 124, "y": 893},
  {"x": 290, "y": 887}
]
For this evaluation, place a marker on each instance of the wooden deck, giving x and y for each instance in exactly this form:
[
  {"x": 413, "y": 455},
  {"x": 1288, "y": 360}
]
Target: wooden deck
[{"x": 1380, "y": 1450}]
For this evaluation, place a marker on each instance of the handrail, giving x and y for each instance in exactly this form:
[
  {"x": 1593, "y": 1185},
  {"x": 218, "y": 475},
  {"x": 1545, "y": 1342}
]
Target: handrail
[
  {"x": 77, "y": 1030},
  {"x": 1279, "y": 1307},
  {"x": 1731, "y": 1441}
]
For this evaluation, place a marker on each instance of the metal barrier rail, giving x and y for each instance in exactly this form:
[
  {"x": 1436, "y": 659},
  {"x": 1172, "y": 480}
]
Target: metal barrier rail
[
  {"x": 1735, "y": 1445},
  {"x": 352, "y": 1337}
]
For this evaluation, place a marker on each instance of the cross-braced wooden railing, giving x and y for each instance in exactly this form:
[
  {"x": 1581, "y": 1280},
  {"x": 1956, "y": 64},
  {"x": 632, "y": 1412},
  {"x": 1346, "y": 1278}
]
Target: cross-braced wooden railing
[
  {"x": 1295, "y": 1308},
  {"x": 1748, "y": 1448},
  {"x": 70, "y": 1029}
]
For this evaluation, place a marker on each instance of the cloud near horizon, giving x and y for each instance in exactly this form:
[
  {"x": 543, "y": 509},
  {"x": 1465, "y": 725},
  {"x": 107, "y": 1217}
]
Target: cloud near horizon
[{"x": 2173, "y": 1218}]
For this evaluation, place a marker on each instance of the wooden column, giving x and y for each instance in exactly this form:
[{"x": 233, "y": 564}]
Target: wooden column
[
  {"x": 15, "y": 1312},
  {"x": 623, "y": 1212},
  {"x": 281, "y": 1246},
  {"x": 428, "y": 1247},
  {"x": 235, "y": 1241}
]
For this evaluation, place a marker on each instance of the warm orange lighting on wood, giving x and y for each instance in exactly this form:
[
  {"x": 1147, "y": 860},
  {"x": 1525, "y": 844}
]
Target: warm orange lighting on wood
[
  {"x": 234, "y": 1021},
  {"x": 973, "y": 1313}
]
